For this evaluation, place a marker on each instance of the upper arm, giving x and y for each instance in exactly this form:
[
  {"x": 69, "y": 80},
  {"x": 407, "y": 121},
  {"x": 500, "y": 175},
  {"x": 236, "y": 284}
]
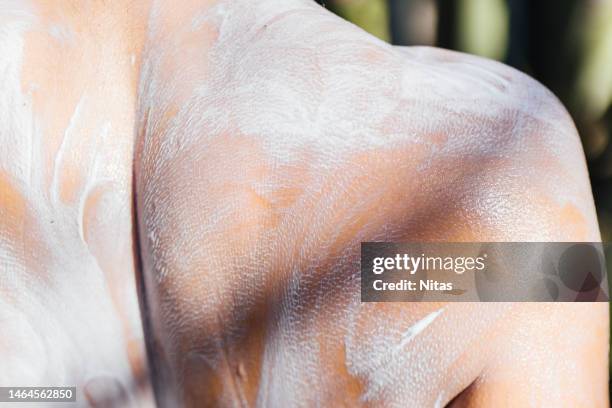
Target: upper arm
[
  {"x": 547, "y": 354},
  {"x": 530, "y": 184}
]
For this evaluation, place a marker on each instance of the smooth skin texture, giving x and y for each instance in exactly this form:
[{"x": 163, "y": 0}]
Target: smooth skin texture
[{"x": 269, "y": 139}]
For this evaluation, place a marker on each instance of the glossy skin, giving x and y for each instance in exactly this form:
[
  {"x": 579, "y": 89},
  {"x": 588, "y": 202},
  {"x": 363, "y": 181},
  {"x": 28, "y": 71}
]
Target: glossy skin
[{"x": 270, "y": 139}]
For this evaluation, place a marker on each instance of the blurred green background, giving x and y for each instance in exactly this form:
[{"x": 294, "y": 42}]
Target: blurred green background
[{"x": 565, "y": 44}]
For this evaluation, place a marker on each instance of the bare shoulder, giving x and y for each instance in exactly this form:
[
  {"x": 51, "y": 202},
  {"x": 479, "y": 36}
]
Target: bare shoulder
[
  {"x": 514, "y": 150},
  {"x": 431, "y": 136},
  {"x": 300, "y": 136}
]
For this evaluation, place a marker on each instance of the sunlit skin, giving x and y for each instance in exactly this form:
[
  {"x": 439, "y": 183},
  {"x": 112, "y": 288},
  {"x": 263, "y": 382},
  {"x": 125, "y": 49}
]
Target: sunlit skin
[{"x": 266, "y": 140}]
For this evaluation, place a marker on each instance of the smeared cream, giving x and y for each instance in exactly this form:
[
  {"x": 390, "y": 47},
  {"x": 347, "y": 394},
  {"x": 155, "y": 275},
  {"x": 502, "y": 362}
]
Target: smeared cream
[{"x": 67, "y": 287}]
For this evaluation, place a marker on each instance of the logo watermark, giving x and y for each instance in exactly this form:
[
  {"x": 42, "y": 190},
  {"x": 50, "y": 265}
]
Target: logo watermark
[{"x": 484, "y": 272}]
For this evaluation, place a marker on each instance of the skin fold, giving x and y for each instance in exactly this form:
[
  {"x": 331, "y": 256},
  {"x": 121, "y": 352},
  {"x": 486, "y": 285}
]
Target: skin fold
[{"x": 222, "y": 160}]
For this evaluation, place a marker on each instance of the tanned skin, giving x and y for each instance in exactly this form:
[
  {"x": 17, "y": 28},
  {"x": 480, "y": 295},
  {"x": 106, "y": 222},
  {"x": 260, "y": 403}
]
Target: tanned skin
[{"x": 219, "y": 162}]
